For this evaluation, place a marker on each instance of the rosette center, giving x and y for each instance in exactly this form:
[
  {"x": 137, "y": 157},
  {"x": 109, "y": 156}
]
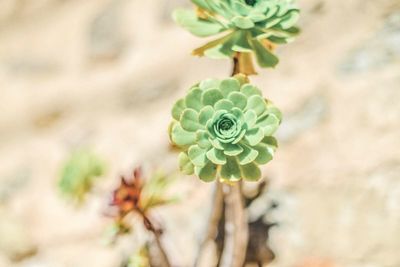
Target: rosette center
[
  {"x": 226, "y": 128},
  {"x": 251, "y": 2}
]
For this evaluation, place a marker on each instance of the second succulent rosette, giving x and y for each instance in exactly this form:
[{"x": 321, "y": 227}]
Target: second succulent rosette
[
  {"x": 224, "y": 129},
  {"x": 250, "y": 27}
]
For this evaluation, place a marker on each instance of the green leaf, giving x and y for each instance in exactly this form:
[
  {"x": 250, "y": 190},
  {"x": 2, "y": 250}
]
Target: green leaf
[
  {"x": 241, "y": 8},
  {"x": 229, "y": 85},
  {"x": 197, "y": 155},
  {"x": 211, "y": 96},
  {"x": 230, "y": 171},
  {"x": 178, "y": 108},
  {"x": 209, "y": 84},
  {"x": 189, "y": 20},
  {"x": 217, "y": 144},
  {"x": 181, "y": 137},
  {"x": 242, "y": 43},
  {"x": 243, "y": 22},
  {"x": 248, "y": 155},
  {"x": 223, "y": 50},
  {"x": 207, "y": 173},
  {"x": 79, "y": 174},
  {"x": 290, "y": 19},
  {"x": 250, "y": 90},
  {"x": 201, "y": 3},
  {"x": 223, "y": 104},
  {"x": 202, "y": 139},
  {"x": 232, "y": 149},
  {"x": 238, "y": 99},
  {"x": 250, "y": 172},
  {"x": 250, "y": 118},
  {"x": 185, "y": 165},
  {"x": 193, "y": 99},
  {"x": 256, "y": 103},
  {"x": 206, "y": 113},
  {"x": 200, "y": 51},
  {"x": 216, "y": 156},
  {"x": 269, "y": 124},
  {"x": 270, "y": 142},
  {"x": 190, "y": 120},
  {"x": 264, "y": 57},
  {"x": 254, "y": 136},
  {"x": 265, "y": 153}
]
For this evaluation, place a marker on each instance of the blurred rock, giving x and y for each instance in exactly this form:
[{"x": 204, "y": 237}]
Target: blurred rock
[
  {"x": 377, "y": 52},
  {"x": 10, "y": 184},
  {"x": 23, "y": 66},
  {"x": 106, "y": 40},
  {"x": 137, "y": 93},
  {"x": 308, "y": 115},
  {"x": 15, "y": 242}
]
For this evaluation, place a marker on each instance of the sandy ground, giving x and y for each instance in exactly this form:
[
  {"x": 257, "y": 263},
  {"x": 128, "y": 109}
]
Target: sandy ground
[{"x": 104, "y": 74}]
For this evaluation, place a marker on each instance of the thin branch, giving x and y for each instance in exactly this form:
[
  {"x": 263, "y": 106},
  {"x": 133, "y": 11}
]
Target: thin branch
[
  {"x": 164, "y": 261},
  {"x": 214, "y": 218},
  {"x": 236, "y": 228}
]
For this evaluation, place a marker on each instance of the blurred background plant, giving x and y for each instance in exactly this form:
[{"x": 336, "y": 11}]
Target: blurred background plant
[{"x": 79, "y": 174}]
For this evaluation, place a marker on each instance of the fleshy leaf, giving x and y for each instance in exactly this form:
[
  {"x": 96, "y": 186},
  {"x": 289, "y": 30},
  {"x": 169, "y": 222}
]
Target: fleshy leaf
[
  {"x": 216, "y": 156},
  {"x": 228, "y": 86},
  {"x": 224, "y": 104},
  {"x": 206, "y": 113},
  {"x": 250, "y": 172},
  {"x": 250, "y": 118},
  {"x": 238, "y": 99},
  {"x": 264, "y": 57},
  {"x": 248, "y": 155},
  {"x": 254, "y": 136},
  {"x": 232, "y": 149},
  {"x": 197, "y": 155},
  {"x": 208, "y": 172},
  {"x": 211, "y": 96},
  {"x": 230, "y": 171},
  {"x": 181, "y": 137},
  {"x": 188, "y": 20},
  {"x": 178, "y": 109},
  {"x": 209, "y": 84},
  {"x": 185, "y": 165},
  {"x": 269, "y": 124},
  {"x": 193, "y": 99},
  {"x": 249, "y": 90},
  {"x": 190, "y": 120},
  {"x": 243, "y": 22},
  {"x": 265, "y": 153},
  {"x": 202, "y": 139},
  {"x": 256, "y": 103}
]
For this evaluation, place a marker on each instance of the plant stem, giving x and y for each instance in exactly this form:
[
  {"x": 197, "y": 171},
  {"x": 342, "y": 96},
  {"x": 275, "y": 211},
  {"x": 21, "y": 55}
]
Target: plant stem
[
  {"x": 214, "y": 219},
  {"x": 164, "y": 261},
  {"x": 236, "y": 228}
]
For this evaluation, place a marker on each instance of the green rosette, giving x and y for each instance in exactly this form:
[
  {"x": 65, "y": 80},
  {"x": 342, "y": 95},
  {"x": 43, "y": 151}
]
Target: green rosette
[
  {"x": 251, "y": 27},
  {"x": 224, "y": 129}
]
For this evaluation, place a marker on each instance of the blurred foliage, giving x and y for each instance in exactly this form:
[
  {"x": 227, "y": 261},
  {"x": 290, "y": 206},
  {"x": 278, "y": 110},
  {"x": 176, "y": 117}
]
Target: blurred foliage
[
  {"x": 138, "y": 195},
  {"x": 79, "y": 174},
  {"x": 140, "y": 258}
]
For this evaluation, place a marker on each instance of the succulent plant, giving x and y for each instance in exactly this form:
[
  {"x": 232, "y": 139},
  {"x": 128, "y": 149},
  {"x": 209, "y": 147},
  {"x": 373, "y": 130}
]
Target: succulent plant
[
  {"x": 252, "y": 26},
  {"x": 224, "y": 129},
  {"x": 79, "y": 174}
]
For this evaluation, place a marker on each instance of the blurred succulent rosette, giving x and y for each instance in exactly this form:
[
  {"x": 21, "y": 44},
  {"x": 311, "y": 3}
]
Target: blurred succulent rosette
[
  {"x": 224, "y": 129},
  {"x": 251, "y": 26}
]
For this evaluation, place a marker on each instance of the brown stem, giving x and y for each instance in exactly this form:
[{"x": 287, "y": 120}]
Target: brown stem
[
  {"x": 236, "y": 65},
  {"x": 164, "y": 261},
  {"x": 236, "y": 228},
  {"x": 214, "y": 219}
]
